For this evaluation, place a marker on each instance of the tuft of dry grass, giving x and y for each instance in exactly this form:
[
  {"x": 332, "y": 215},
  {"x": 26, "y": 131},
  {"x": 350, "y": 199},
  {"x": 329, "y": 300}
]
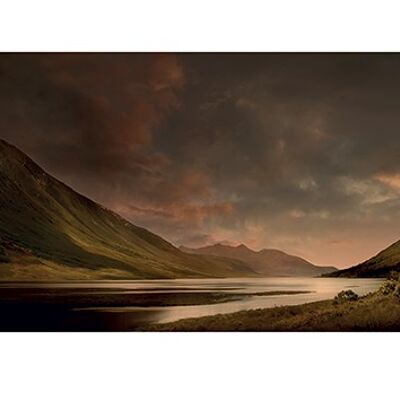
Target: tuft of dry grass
[{"x": 374, "y": 312}]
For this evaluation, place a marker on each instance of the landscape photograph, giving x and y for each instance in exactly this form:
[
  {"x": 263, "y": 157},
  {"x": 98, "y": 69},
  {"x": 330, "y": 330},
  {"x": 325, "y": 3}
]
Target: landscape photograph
[{"x": 199, "y": 192}]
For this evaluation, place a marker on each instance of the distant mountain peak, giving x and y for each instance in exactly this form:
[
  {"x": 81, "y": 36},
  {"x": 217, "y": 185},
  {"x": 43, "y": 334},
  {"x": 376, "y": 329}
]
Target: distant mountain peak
[
  {"x": 228, "y": 246},
  {"x": 267, "y": 262}
]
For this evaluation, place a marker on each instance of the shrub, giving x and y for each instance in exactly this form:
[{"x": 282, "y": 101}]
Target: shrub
[
  {"x": 345, "y": 296},
  {"x": 392, "y": 285},
  {"x": 394, "y": 276},
  {"x": 388, "y": 287}
]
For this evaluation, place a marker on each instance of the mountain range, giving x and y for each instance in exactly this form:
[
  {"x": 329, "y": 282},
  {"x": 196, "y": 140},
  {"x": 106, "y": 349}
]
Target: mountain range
[
  {"x": 49, "y": 231},
  {"x": 267, "y": 262}
]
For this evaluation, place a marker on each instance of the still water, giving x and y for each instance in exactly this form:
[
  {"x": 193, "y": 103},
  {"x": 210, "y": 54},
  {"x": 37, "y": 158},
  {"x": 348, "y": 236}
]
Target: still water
[{"x": 128, "y": 317}]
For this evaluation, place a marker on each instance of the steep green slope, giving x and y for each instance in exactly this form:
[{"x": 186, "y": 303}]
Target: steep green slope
[
  {"x": 49, "y": 231},
  {"x": 380, "y": 265},
  {"x": 267, "y": 262}
]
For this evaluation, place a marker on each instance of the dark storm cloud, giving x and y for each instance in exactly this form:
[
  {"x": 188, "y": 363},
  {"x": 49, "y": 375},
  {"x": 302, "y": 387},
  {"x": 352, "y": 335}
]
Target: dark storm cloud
[
  {"x": 94, "y": 111},
  {"x": 293, "y": 151},
  {"x": 297, "y": 143}
]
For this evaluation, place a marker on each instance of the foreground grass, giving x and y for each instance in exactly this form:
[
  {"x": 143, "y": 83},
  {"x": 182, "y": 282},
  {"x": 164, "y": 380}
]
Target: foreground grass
[{"x": 374, "y": 312}]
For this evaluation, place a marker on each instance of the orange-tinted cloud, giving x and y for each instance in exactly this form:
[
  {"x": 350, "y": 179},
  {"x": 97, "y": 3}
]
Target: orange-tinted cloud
[{"x": 391, "y": 180}]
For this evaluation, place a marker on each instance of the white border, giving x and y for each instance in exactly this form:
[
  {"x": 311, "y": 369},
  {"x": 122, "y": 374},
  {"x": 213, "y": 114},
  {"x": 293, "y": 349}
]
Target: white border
[
  {"x": 198, "y": 366},
  {"x": 207, "y": 25}
]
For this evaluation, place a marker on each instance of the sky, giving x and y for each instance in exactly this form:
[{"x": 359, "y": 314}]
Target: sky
[{"x": 299, "y": 152}]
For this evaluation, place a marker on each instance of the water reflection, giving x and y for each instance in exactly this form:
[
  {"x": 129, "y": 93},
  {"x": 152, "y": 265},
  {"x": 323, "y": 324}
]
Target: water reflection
[
  {"x": 320, "y": 289},
  {"x": 129, "y": 318}
]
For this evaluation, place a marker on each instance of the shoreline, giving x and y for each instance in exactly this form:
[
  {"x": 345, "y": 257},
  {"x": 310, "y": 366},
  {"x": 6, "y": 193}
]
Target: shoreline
[{"x": 373, "y": 312}]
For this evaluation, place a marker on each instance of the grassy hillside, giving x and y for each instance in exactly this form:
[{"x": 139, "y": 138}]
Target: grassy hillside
[
  {"x": 382, "y": 264},
  {"x": 267, "y": 262},
  {"x": 48, "y": 231},
  {"x": 378, "y": 311}
]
